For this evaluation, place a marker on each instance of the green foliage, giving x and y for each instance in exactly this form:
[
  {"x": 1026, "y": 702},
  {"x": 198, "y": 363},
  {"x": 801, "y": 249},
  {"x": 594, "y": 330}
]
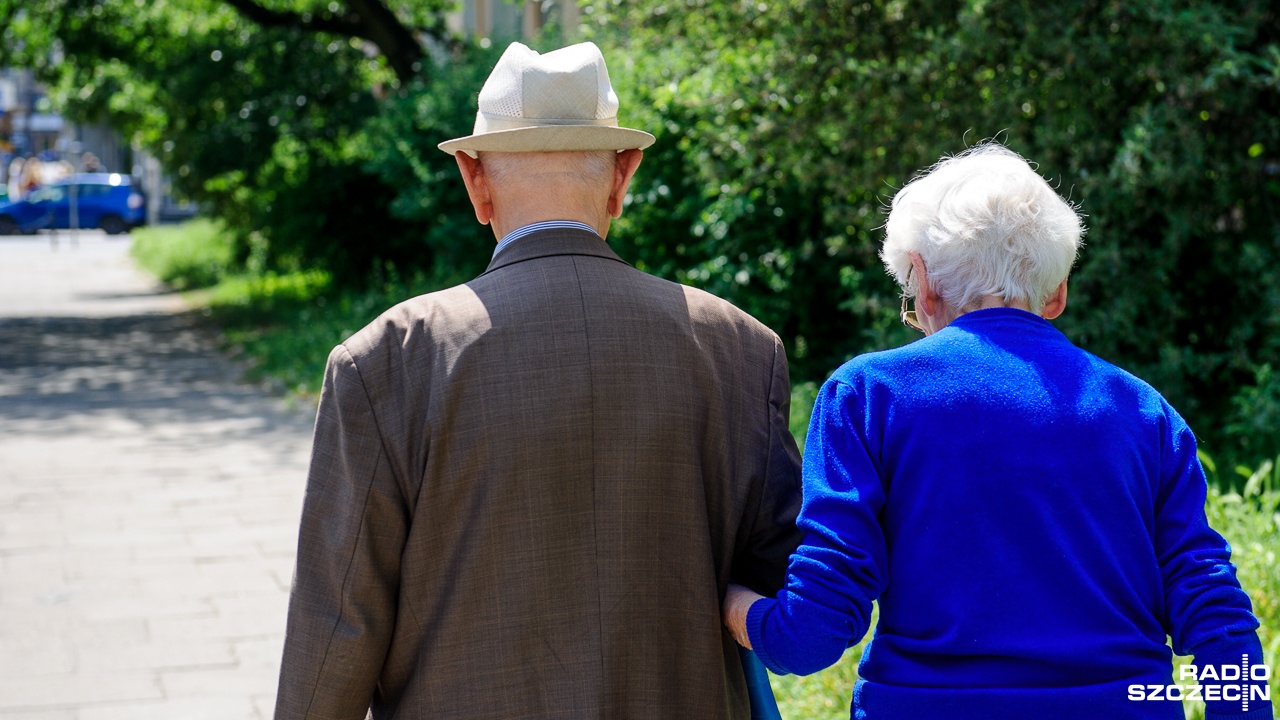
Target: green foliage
[
  {"x": 1255, "y": 424},
  {"x": 803, "y": 396},
  {"x": 447, "y": 244},
  {"x": 259, "y": 124},
  {"x": 285, "y": 324},
  {"x": 282, "y": 324},
  {"x": 722, "y": 200},
  {"x": 196, "y": 254},
  {"x": 784, "y": 128}
]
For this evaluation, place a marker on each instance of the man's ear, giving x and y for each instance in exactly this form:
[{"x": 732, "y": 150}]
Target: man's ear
[
  {"x": 477, "y": 182},
  {"x": 1056, "y": 303},
  {"x": 624, "y": 168}
]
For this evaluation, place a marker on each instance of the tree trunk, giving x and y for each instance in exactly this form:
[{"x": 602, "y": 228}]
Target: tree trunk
[
  {"x": 398, "y": 44},
  {"x": 371, "y": 20}
]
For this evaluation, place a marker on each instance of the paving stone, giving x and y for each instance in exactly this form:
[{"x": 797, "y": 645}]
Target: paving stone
[
  {"x": 219, "y": 683},
  {"x": 76, "y": 690},
  {"x": 160, "y": 656},
  {"x": 149, "y": 499},
  {"x": 203, "y": 708},
  {"x": 260, "y": 652},
  {"x": 40, "y": 714}
]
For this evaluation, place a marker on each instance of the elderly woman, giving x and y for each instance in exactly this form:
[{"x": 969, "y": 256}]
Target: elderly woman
[{"x": 1030, "y": 517}]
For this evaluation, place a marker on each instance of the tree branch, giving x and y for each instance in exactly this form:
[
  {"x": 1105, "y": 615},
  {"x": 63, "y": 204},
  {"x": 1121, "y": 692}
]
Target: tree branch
[
  {"x": 371, "y": 20},
  {"x": 348, "y": 25},
  {"x": 398, "y": 44}
]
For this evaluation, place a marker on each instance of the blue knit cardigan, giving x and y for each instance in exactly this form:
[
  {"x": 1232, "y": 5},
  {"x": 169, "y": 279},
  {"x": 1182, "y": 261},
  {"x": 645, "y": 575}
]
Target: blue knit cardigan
[{"x": 1031, "y": 519}]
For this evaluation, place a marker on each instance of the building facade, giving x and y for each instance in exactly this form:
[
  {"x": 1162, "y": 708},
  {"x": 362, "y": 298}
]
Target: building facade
[
  {"x": 503, "y": 20},
  {"x": 29, "y": 128}
]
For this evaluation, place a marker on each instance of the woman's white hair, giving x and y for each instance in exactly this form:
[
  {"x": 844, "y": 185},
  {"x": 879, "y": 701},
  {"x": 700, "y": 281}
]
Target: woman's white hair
[{"x": 985, "y": 223}]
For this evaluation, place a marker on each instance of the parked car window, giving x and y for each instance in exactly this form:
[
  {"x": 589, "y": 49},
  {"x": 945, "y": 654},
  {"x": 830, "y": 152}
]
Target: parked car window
[
  {"x": 54, "y": 193},
  {"x": 88, "y": 191}
]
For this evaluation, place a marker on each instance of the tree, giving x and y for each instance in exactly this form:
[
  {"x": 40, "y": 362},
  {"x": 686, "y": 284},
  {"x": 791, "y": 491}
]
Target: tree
[
  {"x": 397, "y": 32},
  {"x": 785, "y": 127},
  {"x": 255, "y": 110},
  {"x": 371, "y": 20}
]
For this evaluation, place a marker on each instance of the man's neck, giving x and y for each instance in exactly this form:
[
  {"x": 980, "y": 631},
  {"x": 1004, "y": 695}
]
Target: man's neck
[{"x": 505, "y": 222}]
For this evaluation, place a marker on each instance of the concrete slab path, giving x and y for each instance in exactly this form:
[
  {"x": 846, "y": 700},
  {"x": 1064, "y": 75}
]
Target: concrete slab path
[{"x": 149, "y": 499}]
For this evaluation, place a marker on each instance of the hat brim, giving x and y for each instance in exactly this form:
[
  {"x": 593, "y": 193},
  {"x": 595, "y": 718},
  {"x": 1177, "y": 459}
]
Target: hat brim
[{"x": 551, "y": 138}]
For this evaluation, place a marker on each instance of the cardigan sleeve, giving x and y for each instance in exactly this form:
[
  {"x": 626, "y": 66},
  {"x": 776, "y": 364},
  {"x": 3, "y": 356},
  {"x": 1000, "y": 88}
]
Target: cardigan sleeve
[
  {"x": 1208, "y": 614},
  {"x": 342, "y": 608},
  {"x": 840, "y": 567}
]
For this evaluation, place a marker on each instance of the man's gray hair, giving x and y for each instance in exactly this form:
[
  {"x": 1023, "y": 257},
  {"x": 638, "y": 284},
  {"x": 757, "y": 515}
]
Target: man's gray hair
[
  {"x": 591, "y": 168},
  {"x": 985, "y": 223}
]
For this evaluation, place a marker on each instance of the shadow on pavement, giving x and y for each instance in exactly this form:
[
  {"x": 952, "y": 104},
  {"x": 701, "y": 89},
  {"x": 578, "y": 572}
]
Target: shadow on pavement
[{"x": 153, "y": 371}]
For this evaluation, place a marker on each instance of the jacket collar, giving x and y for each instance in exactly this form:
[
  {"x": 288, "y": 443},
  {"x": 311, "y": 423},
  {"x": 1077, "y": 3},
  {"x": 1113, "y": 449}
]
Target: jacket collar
[{"x": 548, "y": 243}]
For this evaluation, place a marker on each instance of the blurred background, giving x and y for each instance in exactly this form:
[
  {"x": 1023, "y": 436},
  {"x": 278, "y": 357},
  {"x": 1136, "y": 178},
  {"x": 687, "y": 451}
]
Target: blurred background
[{"x": 302, "y": 134}]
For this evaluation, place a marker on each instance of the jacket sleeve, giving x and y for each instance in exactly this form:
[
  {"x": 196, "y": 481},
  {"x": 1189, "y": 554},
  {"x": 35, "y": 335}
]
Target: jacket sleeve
[
  {"x": 1209, "y": 615},
  {"x": 841, "y": 566},
  {"x": 342, "y": 608},
  {"x": 769, "y": 533}
]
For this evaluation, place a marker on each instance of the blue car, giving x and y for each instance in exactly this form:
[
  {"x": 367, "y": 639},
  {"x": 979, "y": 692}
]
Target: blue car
[{"x": 102, "y": 200}]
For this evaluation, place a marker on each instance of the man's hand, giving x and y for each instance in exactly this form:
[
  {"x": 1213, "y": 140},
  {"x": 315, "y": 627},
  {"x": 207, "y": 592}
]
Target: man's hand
[{"x": 737, "y": 602}]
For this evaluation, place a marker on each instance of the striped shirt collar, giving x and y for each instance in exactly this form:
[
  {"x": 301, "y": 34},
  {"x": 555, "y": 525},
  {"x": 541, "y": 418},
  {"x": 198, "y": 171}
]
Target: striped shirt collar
[{"x": 545, "y": 225}]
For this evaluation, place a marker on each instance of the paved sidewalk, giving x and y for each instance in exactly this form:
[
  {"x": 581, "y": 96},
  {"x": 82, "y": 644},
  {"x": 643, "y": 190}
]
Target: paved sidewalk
[{"x": 148, "y": 499}]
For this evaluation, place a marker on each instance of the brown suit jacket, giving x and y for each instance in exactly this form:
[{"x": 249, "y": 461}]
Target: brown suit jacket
[{"x": 527, "y": 494}]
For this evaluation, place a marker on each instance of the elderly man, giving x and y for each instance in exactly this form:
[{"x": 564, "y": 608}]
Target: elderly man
[{"x": 529, "y": 492}]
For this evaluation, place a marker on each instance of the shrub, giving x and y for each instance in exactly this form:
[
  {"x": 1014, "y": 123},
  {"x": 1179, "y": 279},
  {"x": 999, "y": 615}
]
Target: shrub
[{"x": 196, "y": 254}]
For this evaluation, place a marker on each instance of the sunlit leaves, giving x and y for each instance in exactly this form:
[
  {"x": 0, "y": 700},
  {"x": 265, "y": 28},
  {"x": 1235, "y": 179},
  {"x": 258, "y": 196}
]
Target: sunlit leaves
[
  {"x": 783, "y": 128},
  {"x": 788, "y": 125}
]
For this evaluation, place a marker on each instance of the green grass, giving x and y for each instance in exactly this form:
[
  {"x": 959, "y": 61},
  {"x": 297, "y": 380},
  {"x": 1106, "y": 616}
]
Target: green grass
[
  {"x": 192, "y": 255},
  {"x": 284, "y": 325}
]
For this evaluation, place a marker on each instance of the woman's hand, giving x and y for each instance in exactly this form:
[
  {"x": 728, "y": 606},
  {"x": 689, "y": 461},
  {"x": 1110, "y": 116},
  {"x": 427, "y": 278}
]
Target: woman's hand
[{"x": 737, "y": 602}]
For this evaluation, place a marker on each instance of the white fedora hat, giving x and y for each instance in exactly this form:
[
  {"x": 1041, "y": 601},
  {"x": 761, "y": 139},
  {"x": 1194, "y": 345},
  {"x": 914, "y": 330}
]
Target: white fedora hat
[{"x": 547, "y": 103}]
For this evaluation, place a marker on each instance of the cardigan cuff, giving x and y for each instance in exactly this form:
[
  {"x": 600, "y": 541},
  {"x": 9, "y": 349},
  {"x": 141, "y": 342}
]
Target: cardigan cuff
[
  {"x": 1262, "y": 713},
  {"x": 756, "y": 616},
  {"x": 1233, "y": 649}
]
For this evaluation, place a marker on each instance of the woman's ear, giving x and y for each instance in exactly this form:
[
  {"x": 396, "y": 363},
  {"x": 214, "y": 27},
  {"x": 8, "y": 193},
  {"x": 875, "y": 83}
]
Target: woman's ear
[
  {"x": 1056, "y": 303},
  {"x": 928, "y": 301}
]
